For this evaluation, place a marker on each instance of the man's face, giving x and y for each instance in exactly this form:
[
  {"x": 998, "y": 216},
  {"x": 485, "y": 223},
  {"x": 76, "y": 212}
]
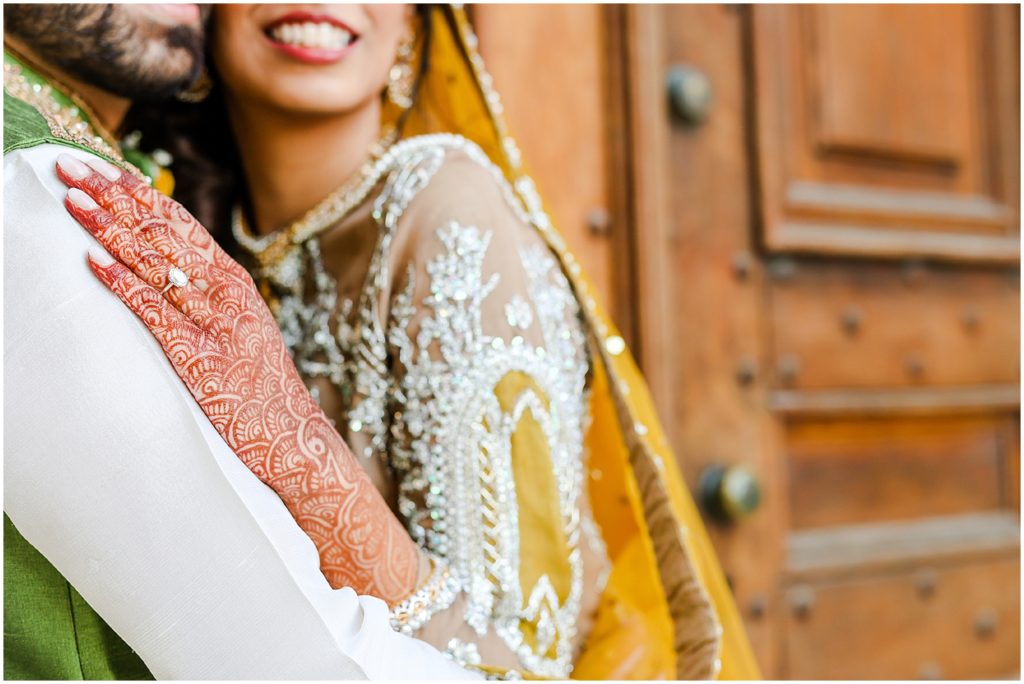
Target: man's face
[{"x": 141, "y": 52}]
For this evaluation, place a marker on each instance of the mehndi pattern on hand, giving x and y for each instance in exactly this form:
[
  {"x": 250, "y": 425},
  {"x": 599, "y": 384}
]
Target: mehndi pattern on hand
[{"x": 223, "y": 342}]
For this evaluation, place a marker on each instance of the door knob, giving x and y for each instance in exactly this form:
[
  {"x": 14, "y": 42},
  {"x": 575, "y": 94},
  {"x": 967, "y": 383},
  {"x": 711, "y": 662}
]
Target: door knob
[
  {"x": 728, "y": 493},
  {"x": 689, "y": 93}
]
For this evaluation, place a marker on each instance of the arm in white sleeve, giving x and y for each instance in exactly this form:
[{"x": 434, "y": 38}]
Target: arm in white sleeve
[{"x": 114, "y": 474}]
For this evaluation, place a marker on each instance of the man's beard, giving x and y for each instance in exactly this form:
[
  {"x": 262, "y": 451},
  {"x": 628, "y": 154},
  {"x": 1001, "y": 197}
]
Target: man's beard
[{"x": 107, "y": 47}]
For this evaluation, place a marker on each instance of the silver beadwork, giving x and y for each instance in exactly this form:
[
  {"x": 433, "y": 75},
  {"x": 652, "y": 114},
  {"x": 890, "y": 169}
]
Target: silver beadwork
[
  {"x": 64, "y": 122},
  {"x": 437, "y": 594},
  {"x": 426, "y": 399}
]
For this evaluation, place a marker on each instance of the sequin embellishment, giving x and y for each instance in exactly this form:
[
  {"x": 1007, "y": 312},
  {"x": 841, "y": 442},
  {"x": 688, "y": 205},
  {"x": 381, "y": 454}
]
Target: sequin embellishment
[{"x": 421, "y": 385}]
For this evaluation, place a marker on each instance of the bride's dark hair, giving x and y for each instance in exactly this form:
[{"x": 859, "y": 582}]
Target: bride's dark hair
[
  {"x": 207, "y": 168},
  {"x": 207, "y": 171}
]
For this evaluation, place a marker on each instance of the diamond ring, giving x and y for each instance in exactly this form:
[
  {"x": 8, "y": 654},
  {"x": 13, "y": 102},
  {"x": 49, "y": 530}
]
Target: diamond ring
[{"x": 175, "y": 278}]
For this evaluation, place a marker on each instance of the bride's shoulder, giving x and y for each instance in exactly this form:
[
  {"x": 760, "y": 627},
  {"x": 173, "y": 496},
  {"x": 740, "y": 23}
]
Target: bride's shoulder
[
  {"x": 443, "y": 177},
  {"x": 446, "y": 147}
]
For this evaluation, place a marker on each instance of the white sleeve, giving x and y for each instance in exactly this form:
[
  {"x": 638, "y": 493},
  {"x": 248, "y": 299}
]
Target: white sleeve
[{"x": 114, "y": 474}]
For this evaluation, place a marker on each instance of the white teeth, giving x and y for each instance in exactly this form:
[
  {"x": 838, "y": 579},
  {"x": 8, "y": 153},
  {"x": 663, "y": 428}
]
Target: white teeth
[{"x": 310, "y": 34}]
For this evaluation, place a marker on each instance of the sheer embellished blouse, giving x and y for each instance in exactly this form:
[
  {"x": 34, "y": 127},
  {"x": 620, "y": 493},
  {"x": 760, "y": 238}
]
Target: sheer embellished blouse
[{"x": 438, "y": 331}]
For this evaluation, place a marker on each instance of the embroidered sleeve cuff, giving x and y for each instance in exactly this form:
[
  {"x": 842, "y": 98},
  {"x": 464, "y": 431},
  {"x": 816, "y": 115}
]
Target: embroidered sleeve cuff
[{"x": 436, "y": 594}]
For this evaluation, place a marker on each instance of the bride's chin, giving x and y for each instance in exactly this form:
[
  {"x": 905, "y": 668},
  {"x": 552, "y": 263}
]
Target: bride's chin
[
  {"x": 291, "y": 91},
  {"x": 312, "y": 100}
]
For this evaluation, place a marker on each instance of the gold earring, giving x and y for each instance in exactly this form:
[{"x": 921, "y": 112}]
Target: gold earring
[
  {"x": 401, "y": 79},
  {"x": 200, "y": 88}
]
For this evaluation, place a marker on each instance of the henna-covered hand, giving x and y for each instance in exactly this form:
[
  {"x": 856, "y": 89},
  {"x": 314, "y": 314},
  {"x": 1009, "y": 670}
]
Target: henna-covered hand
[{"x": 224, "y": 344}]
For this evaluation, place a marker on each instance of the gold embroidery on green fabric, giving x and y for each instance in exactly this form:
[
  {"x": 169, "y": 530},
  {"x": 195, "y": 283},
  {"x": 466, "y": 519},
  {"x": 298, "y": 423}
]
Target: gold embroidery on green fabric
[{"x": 64, "y": 122}]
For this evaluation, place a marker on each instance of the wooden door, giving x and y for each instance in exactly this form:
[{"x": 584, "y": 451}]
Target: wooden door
[
  {"x": 829, "y": 296},
  {"x": 557, "y": 104},
  {"x": 819, "y": 272}
]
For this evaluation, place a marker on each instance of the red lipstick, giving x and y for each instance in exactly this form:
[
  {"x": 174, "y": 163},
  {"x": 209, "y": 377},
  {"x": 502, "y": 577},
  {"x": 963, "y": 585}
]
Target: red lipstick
[{"x": 310, "y": 54}]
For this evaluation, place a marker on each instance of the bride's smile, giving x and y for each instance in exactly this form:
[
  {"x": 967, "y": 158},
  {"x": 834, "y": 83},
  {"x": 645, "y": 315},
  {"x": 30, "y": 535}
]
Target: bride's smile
[
  {"x": 265, "y": 55},
  {"x": 311, "y": 37}
]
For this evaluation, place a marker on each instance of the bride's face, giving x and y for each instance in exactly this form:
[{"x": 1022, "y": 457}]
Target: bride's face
[{"x": 320, "y": 59}]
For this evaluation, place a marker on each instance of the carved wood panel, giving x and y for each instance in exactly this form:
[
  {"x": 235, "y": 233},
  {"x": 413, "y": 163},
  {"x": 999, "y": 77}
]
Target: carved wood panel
[
  {"x": 882, "y": 130},
  {"x": 855, "y": 326},
  {"x": 880, "y": 469},
  {"x": 955, "y": 622}
]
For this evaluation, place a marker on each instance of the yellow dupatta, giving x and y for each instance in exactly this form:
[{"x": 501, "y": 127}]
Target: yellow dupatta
[{"x": 667, "y": 611}]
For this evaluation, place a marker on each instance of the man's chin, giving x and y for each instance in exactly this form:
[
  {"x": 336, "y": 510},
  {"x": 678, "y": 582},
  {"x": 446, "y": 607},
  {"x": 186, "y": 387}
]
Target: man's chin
[
  {"x": 160, "y": 67},
  {"x": 138, "y": 52}
]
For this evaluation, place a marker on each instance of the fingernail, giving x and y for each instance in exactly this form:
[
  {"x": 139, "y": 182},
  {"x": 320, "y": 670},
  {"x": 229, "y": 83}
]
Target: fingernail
[
  {"x": 72, "y": 166},
  {"x": 108, "y": 170},
  {"x": 80, "y": 199},
  {"x": 100, "y": 257}
]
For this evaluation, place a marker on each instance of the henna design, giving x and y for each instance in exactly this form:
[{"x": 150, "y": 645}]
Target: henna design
[{"x": 223, "y": 342}]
